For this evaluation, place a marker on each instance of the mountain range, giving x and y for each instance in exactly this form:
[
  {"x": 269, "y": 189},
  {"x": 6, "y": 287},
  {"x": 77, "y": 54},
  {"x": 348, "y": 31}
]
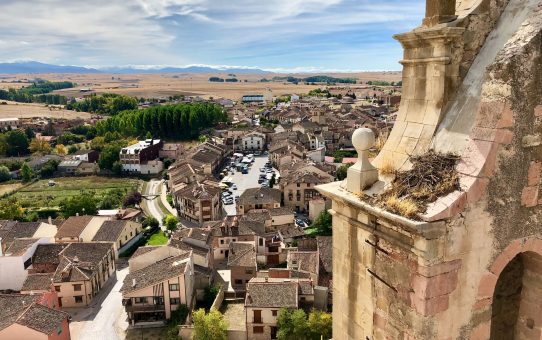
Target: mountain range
[{"x": 37, "y": 67}]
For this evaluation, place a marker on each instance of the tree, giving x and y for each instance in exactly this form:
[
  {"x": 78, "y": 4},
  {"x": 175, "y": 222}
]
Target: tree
[
  {"x": 108, "y": 156},
  {"x": 209, "y": 326},
  {"x": 342, "y": 171},
  {"x": 117, "y": 168},
  {"x": 151, "y": 222},
  {"x": 5, "y": 174},
  {"x": 10, "y": 209},
  {"x": 26, "y": 173},
  {"x": 17, "y": 143},
  {"x": 40, "y": 146},
  {"x": 272, "y": 181},
  {"x": 29, "y": 133},
  {"x": 133, "y": 198},
  {"x": 49, "y": 168},
  {"x": 61, "y": 149},
  {"x": 322, "y": 224},
  {"x": 83, "y": 204},
  {"x": 320, "y": 324},
  {"x": 170, "y": 222},
  {"x": 292, "y": 324}
]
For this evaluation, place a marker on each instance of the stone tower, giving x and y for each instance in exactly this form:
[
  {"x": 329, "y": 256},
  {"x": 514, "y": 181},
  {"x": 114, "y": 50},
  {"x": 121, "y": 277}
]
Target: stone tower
[{"x": 470, "y": 266}]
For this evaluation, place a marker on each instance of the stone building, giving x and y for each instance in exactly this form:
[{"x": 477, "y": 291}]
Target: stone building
[{"x": 470, "y": 265}]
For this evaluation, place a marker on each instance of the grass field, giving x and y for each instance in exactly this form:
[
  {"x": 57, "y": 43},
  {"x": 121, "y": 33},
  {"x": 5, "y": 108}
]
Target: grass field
[
  {"x": 28, "y": 110},
  {"x": 10, "y": 187},
  {"x": 157, "y": 239},
  {"x": 40, "y": 194}
]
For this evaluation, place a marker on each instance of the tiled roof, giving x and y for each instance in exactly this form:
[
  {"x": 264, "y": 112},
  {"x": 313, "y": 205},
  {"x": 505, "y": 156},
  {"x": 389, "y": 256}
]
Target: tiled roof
[
  {"x": 10, "y": 230},
  {"x": 155, "y": 273},
  {"x": 47, "y": 253},
  {"x": 196, "y": 190},
  {"x": 290, "y": 230},
  {"x": 38, "y": 282},
  {"x": 260, "y": 196},
  {"x": 69, "y": 271},
  {"x": 242, "y": 255},
  {"x": 274, "y": 293},
  {"x": 110, "y": 231},
  {"x": 281, "y": 211},
  {"x": 199, "y": 234},
  {"x": 73, "y": 226},
  {"x": 92, "y": 252},
  {"x": 143, "y": 250},
  {"x": 325, "y": 252},
  {"x": 23, "y": 309},
  {"x": 304, "y": 261},
  {"x": 179, "y": 244},
  {"x": 19, "y": 246}
]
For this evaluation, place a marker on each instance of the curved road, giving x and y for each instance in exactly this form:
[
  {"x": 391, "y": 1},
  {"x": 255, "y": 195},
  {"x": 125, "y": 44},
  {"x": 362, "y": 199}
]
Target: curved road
[{"x": 152, "y": 208}]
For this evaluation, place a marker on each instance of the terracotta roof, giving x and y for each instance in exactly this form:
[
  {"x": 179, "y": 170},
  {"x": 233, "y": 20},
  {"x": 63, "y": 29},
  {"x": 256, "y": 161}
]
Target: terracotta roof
[
  {"x": 180, "y": 244},
  {"x": 73, "y": 226},
  {"x": 290, "y": 230},
  {"x": 274, "y": 293},
  {"x": 110, "y": 231},
  {"x": 38, "y": 282},
  {"x": 201, "y": 191},
  {"x": 24, "y": 310},
  {"x": 260, "y": 196},
  {"x": 11, "y": 230},
  {"x": 155, "y": 273},
  {"x": 70, "y": 271},
  {"x": 242, "y": 255},
  {"x": 143, "y": 250}
]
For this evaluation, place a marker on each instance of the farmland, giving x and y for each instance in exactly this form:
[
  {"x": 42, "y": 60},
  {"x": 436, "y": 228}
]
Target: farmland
[
  {"x": 29, "y": 110},
  {"x": 41, "y": 195}
]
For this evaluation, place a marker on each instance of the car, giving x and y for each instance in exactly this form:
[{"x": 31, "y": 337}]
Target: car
[
  {"x": 261, "y": 180},
  {"x": 262, "y": 169},
  {"x": 244, "y": 171},
  {"x": 228, "y": 202},
  {"x": 237, "y": 197},
  {"x": 234, "y": 187}
]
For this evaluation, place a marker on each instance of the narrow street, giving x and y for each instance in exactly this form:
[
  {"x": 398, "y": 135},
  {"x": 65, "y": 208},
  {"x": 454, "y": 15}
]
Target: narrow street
[
  {"x": 153, "y": 188},
  {"x": 105, "y": 318}
]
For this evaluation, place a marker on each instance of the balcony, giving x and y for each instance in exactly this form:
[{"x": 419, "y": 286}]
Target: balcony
[{"x": 145, "y": 308}]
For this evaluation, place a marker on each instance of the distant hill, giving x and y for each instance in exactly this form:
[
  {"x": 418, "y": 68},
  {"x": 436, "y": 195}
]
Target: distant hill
[{"x": 37, "y": 67}]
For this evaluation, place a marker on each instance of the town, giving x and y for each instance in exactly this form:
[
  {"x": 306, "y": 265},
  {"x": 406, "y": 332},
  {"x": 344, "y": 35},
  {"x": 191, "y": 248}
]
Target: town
[{"x": 115, "y": 236}]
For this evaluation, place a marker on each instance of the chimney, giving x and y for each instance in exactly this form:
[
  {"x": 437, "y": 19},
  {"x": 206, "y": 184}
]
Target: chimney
[
  {"x": 133, "y": 283},
  {"x": 1, "y": 249},
  {"x": 76, "y": 214},
  {"x": 50, "y": 220}
]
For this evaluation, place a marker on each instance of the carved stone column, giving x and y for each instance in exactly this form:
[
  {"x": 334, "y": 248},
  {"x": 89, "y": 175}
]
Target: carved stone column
[{"x": 438, "y": 12}]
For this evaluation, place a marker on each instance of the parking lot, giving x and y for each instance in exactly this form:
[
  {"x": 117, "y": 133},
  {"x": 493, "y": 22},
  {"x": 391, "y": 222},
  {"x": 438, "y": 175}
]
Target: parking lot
[{"x": 246, "y": 181}]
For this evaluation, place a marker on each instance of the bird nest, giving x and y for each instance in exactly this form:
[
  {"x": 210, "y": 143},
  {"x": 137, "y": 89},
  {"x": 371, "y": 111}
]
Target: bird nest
[{"x": 432, "y": 175}]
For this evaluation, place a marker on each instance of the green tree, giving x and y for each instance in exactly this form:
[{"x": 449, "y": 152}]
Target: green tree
[
  {"x": 209, "y": 326},
  {"x": 10, "y": 209},
  {"x": 342, "y": 171},
  {"x": 292, "y": 324},
  {"x": 108, "y": 156},
  {"x": 26, "y": 173},
  {"x": 49, "y": 168},
  {"x": 117, "y": 168},
  {"x": 3, "y": 145},
  {"x": 150, "y": 222},
  {"x": 272, "y": 181},
  {"x": 322, "y": 224},
  {"x": 5, "y": 174},
  {"x": 40, "y": 146},
  {"x": 170, "y": 222},
  {"x": 17, "y": 143},
  {"x": 320, "y": 324},
  {"x": 83, "y": 204}
]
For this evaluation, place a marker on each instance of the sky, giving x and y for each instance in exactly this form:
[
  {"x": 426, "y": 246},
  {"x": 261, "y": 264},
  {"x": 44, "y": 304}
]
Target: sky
[{"x": 275, "y": 35}]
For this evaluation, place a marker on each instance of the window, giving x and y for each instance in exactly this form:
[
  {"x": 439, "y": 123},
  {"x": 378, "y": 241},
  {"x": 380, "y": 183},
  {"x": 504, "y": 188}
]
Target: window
[
  {"x": 257, "y": 316},
  {"x": 221, "y": 241},
  {"x": 57, "y": 288},
  {"x": 249, "y": 271},
  {"x": 78, "y": 299},
  {"x": 274, "y": 312},
  {"x": 222, "y": 252},
  {"x": 173, "y": 287},
  {"x": 298, "y": 185},
  {"x": 77, "y": 288},
  {"x": 261, "y": 242},
  {"x": 234, "y": 240},
  {"x": 238, "y": 282},
  {"x": 140, "y": 300},
  {"x": 174, "y": 301},
  {"x": 257, "y": 329},
  {"x": 302, "y": 298}
]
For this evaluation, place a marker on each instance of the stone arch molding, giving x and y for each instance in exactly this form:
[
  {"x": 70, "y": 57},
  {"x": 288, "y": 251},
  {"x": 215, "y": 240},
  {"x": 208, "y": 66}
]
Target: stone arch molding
[{"x": 489, "y": 280}]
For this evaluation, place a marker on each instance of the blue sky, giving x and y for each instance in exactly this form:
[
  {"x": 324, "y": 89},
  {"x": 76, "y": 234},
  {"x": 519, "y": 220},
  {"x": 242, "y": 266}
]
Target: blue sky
[{"x": 281, "y": 35}]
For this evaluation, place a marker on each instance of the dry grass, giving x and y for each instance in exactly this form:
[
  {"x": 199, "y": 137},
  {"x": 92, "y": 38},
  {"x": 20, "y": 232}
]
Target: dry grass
[
  {"x": 387, "y": 166},
  {"x": 401, "y": 206},
  {"x": 27, "y": 110},
  {"x": 432, "y": 175},
  {"x": 158, "y": 85}
]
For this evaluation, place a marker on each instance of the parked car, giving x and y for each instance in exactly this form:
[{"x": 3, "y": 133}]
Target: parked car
[{"x": 234, "y": 187}]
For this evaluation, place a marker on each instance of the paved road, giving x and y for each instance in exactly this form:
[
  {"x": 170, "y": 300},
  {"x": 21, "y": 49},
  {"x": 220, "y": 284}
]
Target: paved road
[
  {"x": 105, "y": 318},
  {"x": 153, "y": 188},
  {"x": 247, "y": 181}
]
